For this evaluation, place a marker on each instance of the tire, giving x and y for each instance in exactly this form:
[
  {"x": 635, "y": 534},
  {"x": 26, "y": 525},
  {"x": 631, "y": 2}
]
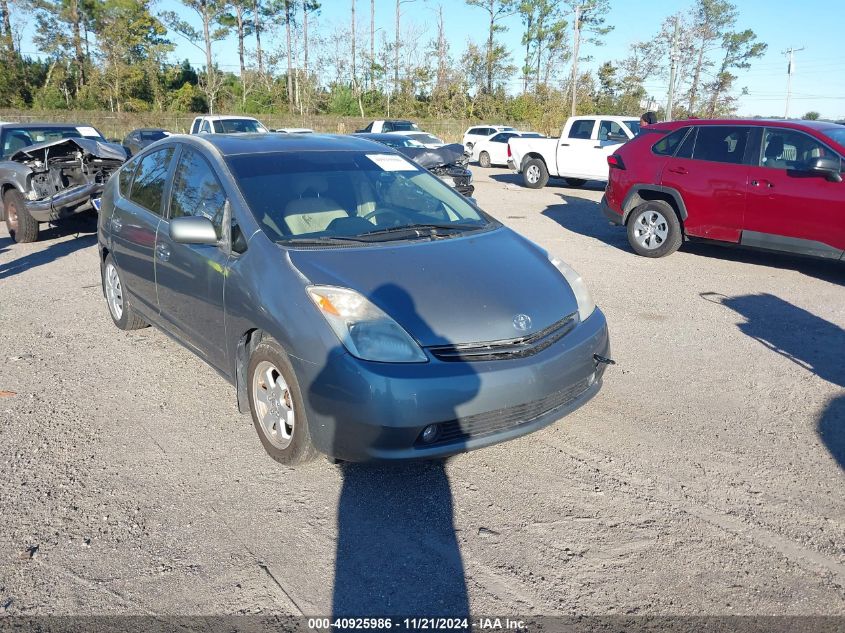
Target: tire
[
  {"x": 654, "y": 229},
  {"x": 534, "y": 174},
  {"x": 484, "y": 159},
  {"x": 575, "y": 182},
  {"x": 21, "y": 225},
  {"x": 121, "y": 312},
  {"x": 279, "y": 415}
]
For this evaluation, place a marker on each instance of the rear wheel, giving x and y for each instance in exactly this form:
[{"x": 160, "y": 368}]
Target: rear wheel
[
  {"x": 275, "y": 402},
  {"x": 534, "y": 174},
  {"x": 484, "y": 159},
  {"x": 575, "y": 182},
  {"x": 654, "y": 229},
  {"x": 20, "y": 224},
  {"x": 121, "y": 312}
]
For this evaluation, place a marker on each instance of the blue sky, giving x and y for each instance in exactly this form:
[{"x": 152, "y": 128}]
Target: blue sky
[{"x": 818, "y": 83}]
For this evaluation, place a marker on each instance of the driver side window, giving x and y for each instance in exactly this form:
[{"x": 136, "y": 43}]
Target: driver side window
[{"x": 792, "y": 150}]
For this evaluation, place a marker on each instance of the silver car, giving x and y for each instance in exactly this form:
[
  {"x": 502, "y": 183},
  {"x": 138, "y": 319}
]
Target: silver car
[{"x": 360, "y": 307}]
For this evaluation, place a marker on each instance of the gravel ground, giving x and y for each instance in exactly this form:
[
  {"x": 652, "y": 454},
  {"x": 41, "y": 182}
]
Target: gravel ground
[{"x": 706, "y": 477}]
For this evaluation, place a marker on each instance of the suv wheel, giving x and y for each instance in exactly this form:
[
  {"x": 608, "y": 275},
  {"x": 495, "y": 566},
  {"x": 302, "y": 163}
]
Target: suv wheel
[
  {"x": 654, "y": 229},
  {"x": 21, "y": 225},
  {"x": 534, "y": 174},
  {"x": 275, "y": 402},
  {"x": 484, "y": 159}
]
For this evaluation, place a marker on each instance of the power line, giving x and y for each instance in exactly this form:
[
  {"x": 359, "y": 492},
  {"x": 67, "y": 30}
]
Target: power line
[{"x": 789, "y": 71}]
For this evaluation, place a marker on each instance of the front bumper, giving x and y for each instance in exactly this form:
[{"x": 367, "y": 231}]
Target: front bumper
[
  {"x": 361, "y": 411},
  {"x": 610, "y": 214},
  {"x": 64, "y": 203}
]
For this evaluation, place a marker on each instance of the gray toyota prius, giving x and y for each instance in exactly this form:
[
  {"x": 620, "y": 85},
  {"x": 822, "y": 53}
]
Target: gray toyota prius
[{"x": 360, "y": 307}]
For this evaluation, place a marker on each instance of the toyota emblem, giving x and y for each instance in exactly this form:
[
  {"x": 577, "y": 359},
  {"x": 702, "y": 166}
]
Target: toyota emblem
[{"x": 522, "y": 322}]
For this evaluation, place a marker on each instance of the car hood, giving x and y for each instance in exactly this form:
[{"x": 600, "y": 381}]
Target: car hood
[
  {"x": 93, "y": 147},
  {"x": 466, "y": 289},
  {"x": 435, "y": 157}
]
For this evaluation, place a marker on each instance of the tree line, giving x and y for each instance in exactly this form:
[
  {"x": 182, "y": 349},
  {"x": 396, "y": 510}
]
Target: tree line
[{"x": 292, "y": 56}]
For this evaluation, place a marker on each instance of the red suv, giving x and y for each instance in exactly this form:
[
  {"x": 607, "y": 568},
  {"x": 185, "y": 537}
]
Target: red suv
[{"x": 769, "y": 184}]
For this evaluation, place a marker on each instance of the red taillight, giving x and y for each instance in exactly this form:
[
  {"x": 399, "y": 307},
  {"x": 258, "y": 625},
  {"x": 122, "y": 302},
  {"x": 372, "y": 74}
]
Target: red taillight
[
  {"x": 615, "y": 160},
  {"x": 509, "y": 150}
]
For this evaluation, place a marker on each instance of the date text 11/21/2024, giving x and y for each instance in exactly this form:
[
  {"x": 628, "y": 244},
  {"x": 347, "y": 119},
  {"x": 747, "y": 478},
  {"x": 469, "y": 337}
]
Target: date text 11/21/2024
[{"x": 415, "y": 624}]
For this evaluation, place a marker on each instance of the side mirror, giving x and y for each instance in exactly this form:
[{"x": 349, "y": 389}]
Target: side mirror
[
  {"x": 617, "y": 138},
  {"x": 828, "y": 167},
  {"x": 193, "y": 229}
]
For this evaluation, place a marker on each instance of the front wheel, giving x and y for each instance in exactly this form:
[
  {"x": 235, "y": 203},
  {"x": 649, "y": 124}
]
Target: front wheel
[
  {"x": 21, "y": 225},
  {"x": 534, "y": 174},
  {"x": 275, "y": 402},
  {"x": 484, "y": 159},
  {"x": 654, "y": 229}
]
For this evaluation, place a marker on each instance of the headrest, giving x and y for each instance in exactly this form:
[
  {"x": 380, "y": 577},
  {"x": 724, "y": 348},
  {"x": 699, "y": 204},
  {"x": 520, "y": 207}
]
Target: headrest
[{"x": 775, "y": 147}]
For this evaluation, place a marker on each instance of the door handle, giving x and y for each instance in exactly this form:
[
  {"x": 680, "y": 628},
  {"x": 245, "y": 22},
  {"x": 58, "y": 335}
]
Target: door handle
[
  {"x": 116, "y": 224},
  {"x": 162, "y": 251},
  {"x": 678, "y": 170},
  {"x": 597, "y": 146},
  {"x": 564, "y": 144}
]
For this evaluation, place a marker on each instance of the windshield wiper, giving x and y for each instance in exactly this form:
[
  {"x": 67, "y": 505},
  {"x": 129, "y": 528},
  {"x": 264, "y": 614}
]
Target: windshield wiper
[
  {"x": 417, "y": 230},
  {"x": 320, "y": 240}
]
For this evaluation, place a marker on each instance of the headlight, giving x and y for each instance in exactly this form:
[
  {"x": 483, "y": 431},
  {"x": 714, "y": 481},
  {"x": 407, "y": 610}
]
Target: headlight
[
  {"x": 365, "y": 331},
  {"x": 586, "y": 305}
]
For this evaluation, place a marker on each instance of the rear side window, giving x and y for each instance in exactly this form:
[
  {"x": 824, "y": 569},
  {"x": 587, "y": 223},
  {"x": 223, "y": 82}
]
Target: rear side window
[
  {"x": 581, "y": 129},
  {"x": 669, "y": 143},
  {"x": 125, "y": 178},
  {"x": 686, "y": 148},
  {"x": 606, "y": 128},
  {"x": 196, "y": 190},
  {"x": 502, "y": 137},
  {"x": 721, "y": 143},
  {"x": 150, "y": 178}
]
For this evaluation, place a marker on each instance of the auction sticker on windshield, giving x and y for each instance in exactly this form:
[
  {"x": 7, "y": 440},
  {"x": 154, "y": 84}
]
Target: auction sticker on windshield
[
  {"x": 87, "y": 131},
  {"x": 391, "y": 162}
]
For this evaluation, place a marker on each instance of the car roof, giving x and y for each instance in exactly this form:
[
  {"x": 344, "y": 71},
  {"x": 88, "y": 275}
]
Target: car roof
[
  {"x": 787, "y": 123},
  {"x": 47, "y": 126},
  {"x": 234, "y": 144},
  {"x": 223, "y": 117}
]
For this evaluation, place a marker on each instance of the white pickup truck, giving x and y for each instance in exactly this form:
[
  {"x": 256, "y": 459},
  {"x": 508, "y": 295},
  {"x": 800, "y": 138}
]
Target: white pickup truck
[{"x": 579, "y": 155}]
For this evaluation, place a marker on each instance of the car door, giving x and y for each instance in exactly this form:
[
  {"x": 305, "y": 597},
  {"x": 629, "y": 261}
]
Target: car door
[
  {"x": 709, "y": 173},
  {"x": 572, "y": 150},
  {"x": 498, "y": 148},
  {"x": 190, "y": 277},
  {"x": 135, "y": 219},
  {"x": 790, "y": 207}
]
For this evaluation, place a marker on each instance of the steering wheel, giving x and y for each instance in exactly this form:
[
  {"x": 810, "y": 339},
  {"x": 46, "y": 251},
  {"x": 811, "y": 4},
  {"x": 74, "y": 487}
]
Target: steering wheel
[{"x": 397, "y": 217}]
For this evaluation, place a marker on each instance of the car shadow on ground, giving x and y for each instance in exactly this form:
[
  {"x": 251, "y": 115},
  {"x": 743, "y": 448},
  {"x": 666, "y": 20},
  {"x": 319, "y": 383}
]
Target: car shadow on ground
[
  {"x": 84, "y": 228},
  {"x": 583, "y": 216},
  {"x": 554, "y": 183},
  {"x": 810, "y": 342}
]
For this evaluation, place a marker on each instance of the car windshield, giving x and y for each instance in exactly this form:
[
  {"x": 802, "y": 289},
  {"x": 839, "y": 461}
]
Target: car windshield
[
  {"x": 427, "y": 138},
  {"x": 835, "y": 134},
  {"x": 399, "y": 141},
  {"x": 634, "y": 126},
  {"x": 16, "y": 138},
  {"x": 153, "y": 135},
  {"x": 337, "y": 195},
  {"x": 238, "y": 126},
  {"x": 405, "y": 126}
]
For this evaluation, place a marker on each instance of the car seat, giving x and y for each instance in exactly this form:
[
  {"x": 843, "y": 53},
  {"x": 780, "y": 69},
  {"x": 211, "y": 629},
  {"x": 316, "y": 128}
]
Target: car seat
[
  {"x": 774, "y": 153},
  {"x": 312, "y": 211}
]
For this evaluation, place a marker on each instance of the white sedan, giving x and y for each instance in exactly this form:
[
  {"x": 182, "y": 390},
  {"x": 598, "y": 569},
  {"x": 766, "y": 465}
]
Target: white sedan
[{"x": 494, "y": 150}]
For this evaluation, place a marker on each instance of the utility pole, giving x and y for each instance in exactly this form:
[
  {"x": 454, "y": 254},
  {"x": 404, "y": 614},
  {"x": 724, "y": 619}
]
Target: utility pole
[
  {"x": 576, "y": 45},
  {"x": 673, "y": 61},
  {"x": 790, "y": 69}
]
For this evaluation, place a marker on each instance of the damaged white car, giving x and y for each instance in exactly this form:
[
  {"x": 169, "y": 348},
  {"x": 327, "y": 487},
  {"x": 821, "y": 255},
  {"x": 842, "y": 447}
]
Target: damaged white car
[{"x": 51, "y": 171}]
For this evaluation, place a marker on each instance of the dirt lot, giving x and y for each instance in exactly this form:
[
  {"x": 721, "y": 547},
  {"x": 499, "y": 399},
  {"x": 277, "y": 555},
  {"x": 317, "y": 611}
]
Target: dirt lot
[{"x": 706, "y": 478}]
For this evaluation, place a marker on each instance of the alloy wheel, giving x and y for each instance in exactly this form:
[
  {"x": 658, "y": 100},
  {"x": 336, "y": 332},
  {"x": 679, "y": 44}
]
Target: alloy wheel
[
  {"x": 273, "y": 404},
  {"x": 114, "y": 292}
]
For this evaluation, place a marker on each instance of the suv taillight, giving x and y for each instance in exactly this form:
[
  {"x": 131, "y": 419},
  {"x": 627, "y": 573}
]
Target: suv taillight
[
  {"x": 615, "y": 160},
  {"x": 509, "y": 150}
]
